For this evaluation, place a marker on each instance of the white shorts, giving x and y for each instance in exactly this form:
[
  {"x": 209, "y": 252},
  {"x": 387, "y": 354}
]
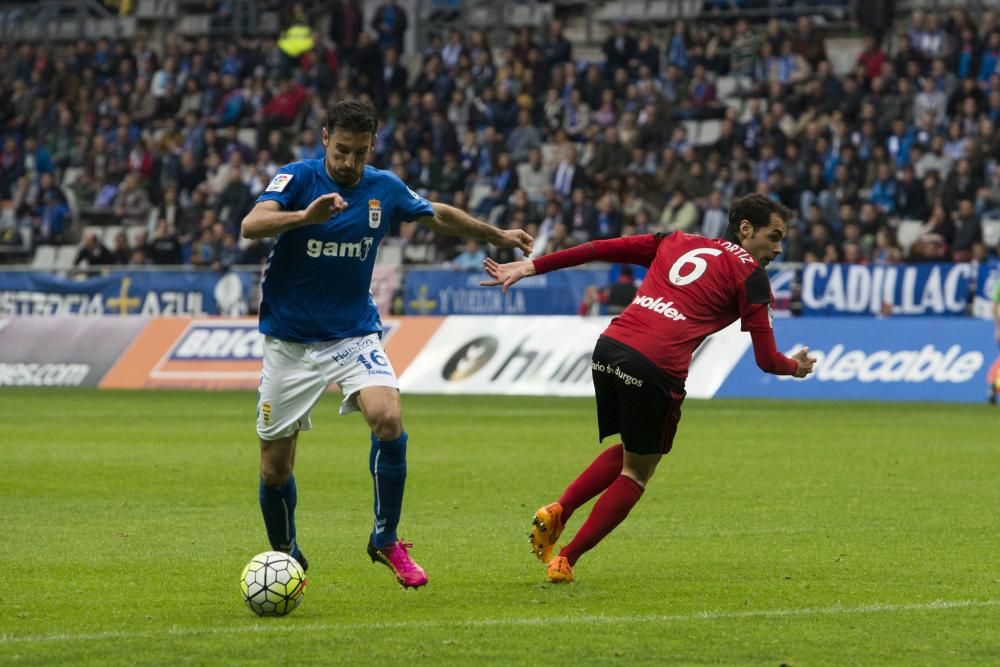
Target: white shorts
[{"x": 295, "y": 375}]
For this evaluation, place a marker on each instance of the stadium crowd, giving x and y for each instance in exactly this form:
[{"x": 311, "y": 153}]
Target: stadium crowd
[{"x": 568, "y": 149}]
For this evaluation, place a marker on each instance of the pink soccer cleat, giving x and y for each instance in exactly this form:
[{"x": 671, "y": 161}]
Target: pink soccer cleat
[{"x": 396, "y": 558}]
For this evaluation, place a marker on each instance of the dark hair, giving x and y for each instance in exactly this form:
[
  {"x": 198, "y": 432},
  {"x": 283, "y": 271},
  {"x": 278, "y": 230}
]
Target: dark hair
[
  {"x": 352, "y": 116},
  {"x": 755, "y": 208}
]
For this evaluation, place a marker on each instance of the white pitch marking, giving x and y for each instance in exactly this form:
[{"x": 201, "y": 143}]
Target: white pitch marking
[{"x": 710, "y": 615}]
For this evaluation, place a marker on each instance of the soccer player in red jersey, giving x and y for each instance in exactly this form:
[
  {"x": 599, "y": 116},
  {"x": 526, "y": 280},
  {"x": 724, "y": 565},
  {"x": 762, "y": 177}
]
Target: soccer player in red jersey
[{"x": 695, "y": 287}]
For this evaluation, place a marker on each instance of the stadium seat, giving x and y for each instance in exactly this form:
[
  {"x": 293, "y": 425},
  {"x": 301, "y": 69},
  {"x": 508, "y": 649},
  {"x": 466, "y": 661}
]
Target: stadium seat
[
  {"x": 133, "y": 233},
  {"x": 71, "y": 203},
  {"x": 493, "y": 219},
  {"x": 93, "y": 229},
  {"x": 479, "y": 16},
  {"x": 479, "y": 191},
  {"x": 550, "y": 154},
  {"x": 109, "y": 28},
  {"x": 691, "y": 127},
  {"x": 576, "y": 31},
  {"x": 907, "y": 233},
  {"x": 147, "y": 9},
  {"x": 734, "y": 103},
  {"x": 27, "y": 239},
  {"x": 64, "y": 29},
  {"x": 65, "y": 254},
  {"x": 593, "y": 53},
  {"x": 268, "y": 23},
  {"x": 991, "y": 232},
  {"x": 152, "y": 219},
  {"x": 661, "y": 10},
  {"x": 745, "y": 114},
  {"x": 725, "y": 87},
  {"x": 708, "y": 132},
  {"x": 611, "y": 11},
  {"x": 7, "y": 216},
  {"x": 248, "y": 136},
  {"x": 419, "y": 253},
  {"x": 519, "y": 14},
  {"x": 843, "y": 53},
  {"x": 390, "y": 253},
  {"x": 45, "y": 257},
  {"x": 70, "y": 175},
  {"x": 633, "y": 10},
  {"x": 162, "y": 8},
  {"x": 110, "y": 233},
  {"x": 194, "y": 25}
]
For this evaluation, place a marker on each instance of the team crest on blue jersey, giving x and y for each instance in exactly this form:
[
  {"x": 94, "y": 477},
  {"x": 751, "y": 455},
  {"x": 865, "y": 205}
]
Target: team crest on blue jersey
[{"x": 374, "y": 213}]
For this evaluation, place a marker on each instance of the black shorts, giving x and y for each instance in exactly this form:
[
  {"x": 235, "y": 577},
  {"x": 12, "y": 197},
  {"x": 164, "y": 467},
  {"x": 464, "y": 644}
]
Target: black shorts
[{"x": 635, "y": 398}]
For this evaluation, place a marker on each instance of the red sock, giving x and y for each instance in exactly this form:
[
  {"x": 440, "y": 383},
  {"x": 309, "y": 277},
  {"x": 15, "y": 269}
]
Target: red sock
[
  {"x": 598, "y": 476},
  {"x": 609, "y": 511}
]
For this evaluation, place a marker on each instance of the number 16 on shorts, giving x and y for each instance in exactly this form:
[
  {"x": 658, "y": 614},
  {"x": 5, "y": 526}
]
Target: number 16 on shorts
[{"x": 375, "y": 363}]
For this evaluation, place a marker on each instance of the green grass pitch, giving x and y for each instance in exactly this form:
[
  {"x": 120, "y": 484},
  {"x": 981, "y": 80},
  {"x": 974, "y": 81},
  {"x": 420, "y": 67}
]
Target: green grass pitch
[{"x": 775, "y": 533}]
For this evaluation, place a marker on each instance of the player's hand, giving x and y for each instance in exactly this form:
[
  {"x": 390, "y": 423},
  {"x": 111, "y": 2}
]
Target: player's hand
[
  {"x": 506, "y": 275},
  {"x": 323, "y": 208},
  {"x": 804, "y": 361},
  {"x": 515, "y": 238}
]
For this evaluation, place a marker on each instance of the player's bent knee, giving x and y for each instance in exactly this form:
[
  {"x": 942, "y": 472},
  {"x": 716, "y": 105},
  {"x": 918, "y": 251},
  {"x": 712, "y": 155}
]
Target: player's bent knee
[
  {"x": 276, "y": 460},
  {"x": 387, "y": 426},
  {"x": 271, "y": 477},
  {"x": 640, "y": 468},
  {"x": 641, "y": 477},
  {"x": 275, "y": 465},
  {"x": 275, "y": 472}
]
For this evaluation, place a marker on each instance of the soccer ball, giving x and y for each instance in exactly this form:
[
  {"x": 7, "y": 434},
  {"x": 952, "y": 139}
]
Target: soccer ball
[{"x": 272, "y": 584}]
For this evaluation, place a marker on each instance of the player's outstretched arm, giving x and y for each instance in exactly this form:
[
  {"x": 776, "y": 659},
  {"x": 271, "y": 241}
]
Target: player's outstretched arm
[
  {"x": 451, "y": 221},
  {"x": 507, "y": 274},
  {"x": 267, "y": 219},
  {"x": 770, "y": 360},
  {"x": 639, "y": 250}
]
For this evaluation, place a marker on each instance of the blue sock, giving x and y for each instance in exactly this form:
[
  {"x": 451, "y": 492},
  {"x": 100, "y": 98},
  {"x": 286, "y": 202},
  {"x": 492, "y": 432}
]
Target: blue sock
[
  {"x": 387, "y": 463},
  {"x": 277, "y": 504}
]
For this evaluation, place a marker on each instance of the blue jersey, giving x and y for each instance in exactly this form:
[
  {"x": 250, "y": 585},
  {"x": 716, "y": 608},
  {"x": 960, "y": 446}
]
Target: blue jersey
[{"x": 317, "y": 279}]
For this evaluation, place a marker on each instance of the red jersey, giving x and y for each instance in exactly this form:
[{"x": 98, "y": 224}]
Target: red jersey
[{"x": 695, "y": 287}]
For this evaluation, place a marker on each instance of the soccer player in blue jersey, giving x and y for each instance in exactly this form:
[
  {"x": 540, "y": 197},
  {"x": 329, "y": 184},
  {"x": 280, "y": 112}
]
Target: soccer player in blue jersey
[{"x": 321, "y": 325}]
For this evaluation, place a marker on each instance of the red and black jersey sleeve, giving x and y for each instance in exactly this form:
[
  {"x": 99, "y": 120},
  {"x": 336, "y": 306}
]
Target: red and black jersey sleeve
[
  {"x": 754, "y": 298},
  {"x": 766, "y": 353},
  {"x": 754, "y": 303},
  {"x": 625, "y": 250}
]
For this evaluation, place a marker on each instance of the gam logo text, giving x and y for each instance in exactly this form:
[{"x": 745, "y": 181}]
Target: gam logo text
[{"x": 358, "y": 250}]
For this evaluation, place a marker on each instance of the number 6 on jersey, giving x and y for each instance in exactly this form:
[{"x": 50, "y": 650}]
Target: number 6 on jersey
[{"x": 692, "y": 258}]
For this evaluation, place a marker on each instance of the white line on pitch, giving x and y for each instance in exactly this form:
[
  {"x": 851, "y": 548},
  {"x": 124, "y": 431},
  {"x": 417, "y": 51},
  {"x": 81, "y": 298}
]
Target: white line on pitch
[{"x": 499, "y": 622}]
